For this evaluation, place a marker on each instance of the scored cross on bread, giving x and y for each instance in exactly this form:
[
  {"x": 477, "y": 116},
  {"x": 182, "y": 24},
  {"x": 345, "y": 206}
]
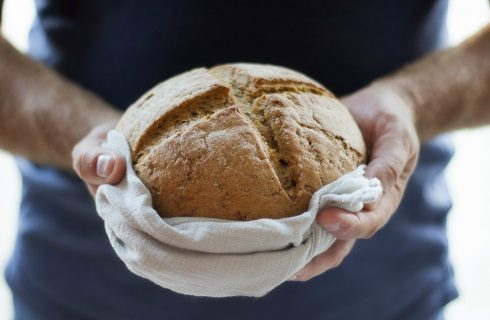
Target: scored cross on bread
[{"x": 239, "y": 142}]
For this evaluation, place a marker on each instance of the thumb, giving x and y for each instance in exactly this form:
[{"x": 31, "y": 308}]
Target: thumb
[{"x": 97, "y": 165}]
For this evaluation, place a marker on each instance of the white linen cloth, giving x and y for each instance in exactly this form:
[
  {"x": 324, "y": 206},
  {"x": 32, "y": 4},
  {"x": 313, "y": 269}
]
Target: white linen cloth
[{"x": 214, "y": 257}]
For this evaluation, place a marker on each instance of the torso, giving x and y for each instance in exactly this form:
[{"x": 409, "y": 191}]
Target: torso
[{"x": 63, "y": 264}]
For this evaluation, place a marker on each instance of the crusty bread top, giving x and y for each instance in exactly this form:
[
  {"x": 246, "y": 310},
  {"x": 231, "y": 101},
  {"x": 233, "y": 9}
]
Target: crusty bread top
[
  {"x": 166, "y": 99},
  {"x": 239, "y": 141}
]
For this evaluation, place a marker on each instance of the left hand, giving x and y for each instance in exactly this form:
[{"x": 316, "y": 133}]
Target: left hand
[{"x": 387, "y": 121}]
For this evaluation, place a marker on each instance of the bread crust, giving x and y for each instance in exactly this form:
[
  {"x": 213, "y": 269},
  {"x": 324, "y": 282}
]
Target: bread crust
[{"x": 239, "y": 142}]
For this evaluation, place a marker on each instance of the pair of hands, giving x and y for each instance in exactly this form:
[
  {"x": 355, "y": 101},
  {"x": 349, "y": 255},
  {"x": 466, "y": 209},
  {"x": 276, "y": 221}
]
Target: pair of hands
[{"x": 387, "y": 122}]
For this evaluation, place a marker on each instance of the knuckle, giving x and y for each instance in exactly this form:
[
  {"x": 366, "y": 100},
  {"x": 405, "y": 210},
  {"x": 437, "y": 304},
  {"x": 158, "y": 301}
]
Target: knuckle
[
  {"x": 379, "y": 220},
  {"x": 370, "y": 225},
  {"x": 303, "y": 277},
  {"x": 80, "y": 158},
  {"x": 337, "y": 262},
  {"x": 411, "y": 140},
  {"x": 388, "y": 117},
  {"x": 352, "y": 228},
  {"x": 370, "y": 233},
  {"x": 78, "y": 153},
  {"x": 391, "y": 172},
  {"x": 348, "y": 229},
  {"x": 85, "y": 162}
]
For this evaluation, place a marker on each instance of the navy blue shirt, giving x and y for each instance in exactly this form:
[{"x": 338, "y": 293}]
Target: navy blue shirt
[{"x": 63, "y": 266}]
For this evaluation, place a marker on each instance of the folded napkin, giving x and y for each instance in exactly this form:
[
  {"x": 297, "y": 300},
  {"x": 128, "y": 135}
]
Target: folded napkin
[{"x": 215, "y": 257}]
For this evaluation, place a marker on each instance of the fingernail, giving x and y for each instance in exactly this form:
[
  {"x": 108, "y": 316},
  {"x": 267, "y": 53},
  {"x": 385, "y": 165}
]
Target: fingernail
[
  {"x": 105, "y": 164},
  {"x": 333, "y": 226}
]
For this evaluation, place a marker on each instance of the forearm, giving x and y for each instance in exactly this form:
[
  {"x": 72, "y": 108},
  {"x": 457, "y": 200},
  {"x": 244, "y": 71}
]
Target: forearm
[
  {"x": 43, "y": 115},
  {"x": 450, "y": 89}
]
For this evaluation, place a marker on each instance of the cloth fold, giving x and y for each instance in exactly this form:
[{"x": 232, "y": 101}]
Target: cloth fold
[{"x": 214, "y": 257}]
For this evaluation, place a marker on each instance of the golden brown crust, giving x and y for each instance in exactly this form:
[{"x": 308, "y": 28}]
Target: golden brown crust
[
  {"x": 215, "y": 167},
  {"x": 168, "y": 98},
  {"x": 239, "y": 142},
  {"x": 254, "y": 79}
]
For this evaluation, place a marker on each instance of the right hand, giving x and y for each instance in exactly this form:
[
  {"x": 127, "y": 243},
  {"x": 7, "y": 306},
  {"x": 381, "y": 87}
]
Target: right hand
[
  {"x": 387, "y": 122},
  {"x": 97, "y": 165}
]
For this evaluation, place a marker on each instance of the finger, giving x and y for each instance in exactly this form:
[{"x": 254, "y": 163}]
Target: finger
[
  {"x": 97, "y": 165},
  {"x": 389, "y": 166},
  {"x": 360, "y": 225},
  {"x": 325, "y": 261},
  {"x": 389, "y": 157}
]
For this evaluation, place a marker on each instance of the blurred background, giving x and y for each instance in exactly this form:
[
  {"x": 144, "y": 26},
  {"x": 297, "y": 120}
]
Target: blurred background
[{"x": 468, "y": 175}]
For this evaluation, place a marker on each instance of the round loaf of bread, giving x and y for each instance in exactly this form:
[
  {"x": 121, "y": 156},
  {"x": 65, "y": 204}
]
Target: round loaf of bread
[{"x": 239, "y": 142}]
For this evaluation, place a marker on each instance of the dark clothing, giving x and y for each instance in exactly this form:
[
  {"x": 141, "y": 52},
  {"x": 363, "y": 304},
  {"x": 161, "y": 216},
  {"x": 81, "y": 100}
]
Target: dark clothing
[{"x": 63, "y": 266}]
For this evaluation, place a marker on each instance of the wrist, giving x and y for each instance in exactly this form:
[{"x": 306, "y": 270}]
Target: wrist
[{"x": 399, "y": 93}]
